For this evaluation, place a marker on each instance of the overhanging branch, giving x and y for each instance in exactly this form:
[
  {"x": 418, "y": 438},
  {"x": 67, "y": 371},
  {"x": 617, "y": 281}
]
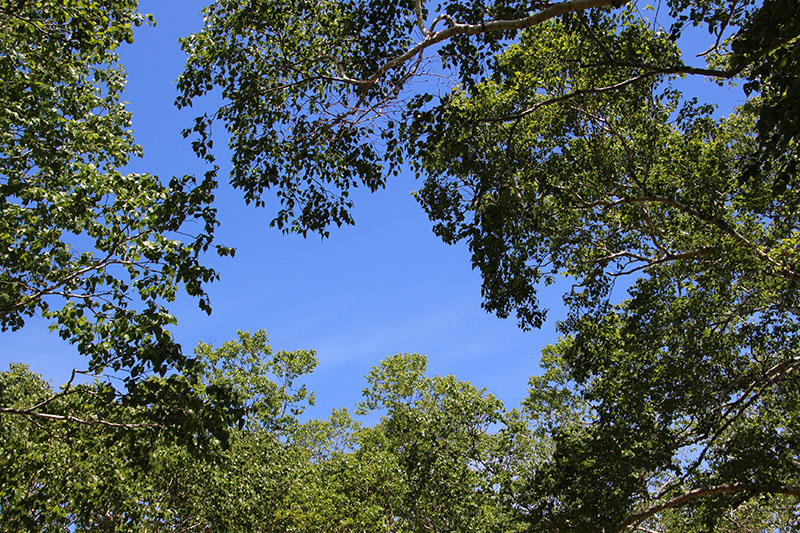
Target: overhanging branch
[
  {"x": 775, "y": 488},
  {"x": 493, "y": 26}
]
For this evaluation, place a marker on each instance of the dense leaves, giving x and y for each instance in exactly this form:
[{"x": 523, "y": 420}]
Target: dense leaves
[
  {"x": 96, "y": 251},
  {"x": 444, "y": 456},
  {"x": 563, "y": 144},
  {"x": 554, "y": 140},
  {"x": 87, "y": 459},
  {"x": 310, "y": 89},
  {"x": 99, "y": 254},
  {"x": 416, "y": 469},
  {"x": 544, "y": 171}
]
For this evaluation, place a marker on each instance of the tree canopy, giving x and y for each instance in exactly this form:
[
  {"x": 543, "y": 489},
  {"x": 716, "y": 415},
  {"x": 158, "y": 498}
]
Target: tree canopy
[
  {"x": 557, "y": 140},
  {"x": 564, "y": 144},
  {"x": 97, "y": 252}
]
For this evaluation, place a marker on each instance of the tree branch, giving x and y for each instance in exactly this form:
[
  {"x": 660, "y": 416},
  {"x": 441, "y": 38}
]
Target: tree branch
[
  {"x": 726, "y": 228},
  {"x": 776, "y": 488},
  {"x": 454, "y": 30},
  {"x": 420, "y": 20},
  {"x": 69, "y": 418},
  {"x": 574, "y": 94}
]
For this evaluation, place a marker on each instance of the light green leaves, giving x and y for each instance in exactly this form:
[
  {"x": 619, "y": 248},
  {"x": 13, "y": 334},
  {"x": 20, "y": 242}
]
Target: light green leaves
[
  {"x": 247, "y": 368},
  {"x": 97, "y": 252}
]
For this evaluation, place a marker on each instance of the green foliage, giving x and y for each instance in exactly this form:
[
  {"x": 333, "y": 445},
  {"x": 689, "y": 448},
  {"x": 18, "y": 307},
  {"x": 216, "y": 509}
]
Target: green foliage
[
  {"x": 600, "y": 185},
  {"x": 258, "y": 53},
  {"x": 97, "y": 252},
  {"x": 87, "y": 459},
  {"x": 444, "y": 456},
  {"x": 57, "y": 471},
  {"x": 243, "y": 367},
  {"x": 435, "y": 433},
  {"x": 425, "y": 465},
  {"x": 564, "y": 147}
]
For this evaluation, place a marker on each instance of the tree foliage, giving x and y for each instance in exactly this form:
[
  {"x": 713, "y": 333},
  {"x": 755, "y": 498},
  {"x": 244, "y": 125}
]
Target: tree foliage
[
  {"x": 553, "y": 139},
  {"x": 96, "y": 251},
  {"x": 444, "y": 456},
  {"x": 565, "y": 145},
  {"x": 85, "y": 459},
  {"x": 415, "y": 469}
]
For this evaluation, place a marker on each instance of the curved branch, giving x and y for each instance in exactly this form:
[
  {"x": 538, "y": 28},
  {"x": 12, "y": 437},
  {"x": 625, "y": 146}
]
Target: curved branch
[
  {"x": 775, "y": 488},
  {"x": 420, "y": 20},
  {"x": 570, "y": 96},
  {"x": 654, "y": 71},
  {"x": 553, "y": 11},
  {"x": 99, "y": 265}
]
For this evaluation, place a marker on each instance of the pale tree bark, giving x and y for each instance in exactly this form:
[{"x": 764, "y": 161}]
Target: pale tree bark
[
  {"x": 456, "y": 29},
  {"x": 776, "y": 488}
]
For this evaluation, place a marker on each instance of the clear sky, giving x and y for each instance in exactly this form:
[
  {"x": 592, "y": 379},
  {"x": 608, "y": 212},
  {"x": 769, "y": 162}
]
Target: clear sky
[{"x": 385, "y": 286}]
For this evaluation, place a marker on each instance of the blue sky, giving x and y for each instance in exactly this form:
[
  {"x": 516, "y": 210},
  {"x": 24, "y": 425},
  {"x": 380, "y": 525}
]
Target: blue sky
[{"x": 384, "y": 286}]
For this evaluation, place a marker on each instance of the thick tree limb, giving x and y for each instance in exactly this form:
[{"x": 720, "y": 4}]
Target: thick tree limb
[
  {"x": 457, "y": 29},
  {"x": 420, "y": 20},
  {"x": 776, "y": 488}
]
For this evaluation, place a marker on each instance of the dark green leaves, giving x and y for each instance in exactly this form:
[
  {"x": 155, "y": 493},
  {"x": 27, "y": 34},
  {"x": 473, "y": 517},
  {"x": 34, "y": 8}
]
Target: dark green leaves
[{"x": 284, "y": 72}]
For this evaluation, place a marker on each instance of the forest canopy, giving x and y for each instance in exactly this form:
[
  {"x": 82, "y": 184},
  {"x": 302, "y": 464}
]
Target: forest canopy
[{"x": 554, "y": 139}]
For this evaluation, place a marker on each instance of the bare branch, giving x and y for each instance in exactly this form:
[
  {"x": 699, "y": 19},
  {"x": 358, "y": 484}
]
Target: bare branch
[
  {"x": 420, "y": 20},
  {"x": 48, "y": 290},
  {"x": 445, "y": 17},
  {"x": 63, "y": 393},
  {"x": 570, "y": 96}
]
